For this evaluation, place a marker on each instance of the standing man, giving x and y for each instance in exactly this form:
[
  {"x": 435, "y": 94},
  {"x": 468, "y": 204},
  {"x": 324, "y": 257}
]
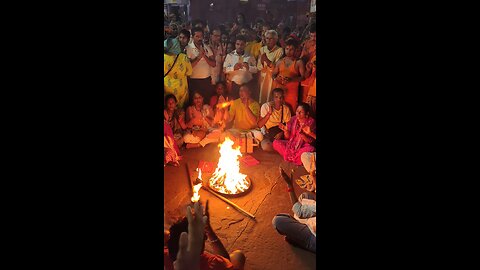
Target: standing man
[
  {"x": 310, "y": 45},
  {"x": 269, "y": 55},
  {"x": 253, "y": 45},
  {"x": 184, "y": 38},
  {"x": 308, "y": 57},
  {"x": 239, "y": 66},
  {"x": 203, "y": 59},
  {"x": 220, "y": 51}
]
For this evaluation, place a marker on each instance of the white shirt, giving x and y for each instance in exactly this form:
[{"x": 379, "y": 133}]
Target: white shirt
[
  {"x": 239, "y": 76},
  {"x": 218, "y": 67},
  {"x": 202, "y": 69},
  {"x": 275, "y": 117}
]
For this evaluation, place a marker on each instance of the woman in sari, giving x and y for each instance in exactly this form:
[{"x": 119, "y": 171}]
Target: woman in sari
[
  {"x": 176, "y": 68},
  {"x": 297, "y": 141},
  {"x": 201, "y": 127},
  {"x": 171, "y": 153},
  {"x": 175, "y": 118}
]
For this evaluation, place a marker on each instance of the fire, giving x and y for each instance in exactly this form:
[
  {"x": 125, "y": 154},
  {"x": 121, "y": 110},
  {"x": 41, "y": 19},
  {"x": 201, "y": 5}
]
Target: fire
[
  {"x": 197, "y": 187},
  {"x": 224, "y": 104},
  {"x": 227, "y": 178}
]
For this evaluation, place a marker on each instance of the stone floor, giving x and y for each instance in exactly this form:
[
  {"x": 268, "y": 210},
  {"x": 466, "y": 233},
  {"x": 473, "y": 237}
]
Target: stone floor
[{"x": 264, "y": 248}]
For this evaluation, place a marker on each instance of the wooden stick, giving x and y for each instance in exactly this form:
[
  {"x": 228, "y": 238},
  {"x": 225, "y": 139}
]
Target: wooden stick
[
  {"x": 229, "y": 202},
  {"x": 189, "y": 178}
]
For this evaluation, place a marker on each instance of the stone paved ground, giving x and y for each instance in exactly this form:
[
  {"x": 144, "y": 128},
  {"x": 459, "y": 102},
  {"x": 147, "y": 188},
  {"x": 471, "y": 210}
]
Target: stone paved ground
[{"x": 264, "y": 247}]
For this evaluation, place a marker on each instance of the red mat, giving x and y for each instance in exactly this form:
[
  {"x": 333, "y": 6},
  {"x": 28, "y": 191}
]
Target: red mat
[
  {"x": 249, "y": 160},
  {"x": 207, "y": 166}
]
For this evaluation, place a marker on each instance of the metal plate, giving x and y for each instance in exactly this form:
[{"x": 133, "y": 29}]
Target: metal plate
[{"x": 237, "y": 194}]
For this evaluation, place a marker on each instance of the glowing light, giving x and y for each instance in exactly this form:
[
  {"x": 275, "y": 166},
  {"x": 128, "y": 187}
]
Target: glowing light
[{"x": 224, "y": 104}]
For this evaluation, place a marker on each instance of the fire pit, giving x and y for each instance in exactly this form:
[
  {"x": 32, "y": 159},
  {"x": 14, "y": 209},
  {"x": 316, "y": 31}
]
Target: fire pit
[{"x": 227, "y": 178}]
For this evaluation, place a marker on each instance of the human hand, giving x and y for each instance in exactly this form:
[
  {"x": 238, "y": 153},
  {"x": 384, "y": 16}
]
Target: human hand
[
  {"x": 281, "y": 80},
  {"x": 201, "y": 52},
  {"x": 263, "y": 57},
  {"x": 307, "y": 130},
  {"x": 309, "y": 65},
  {"x": 208, "y": 227},
  {"x": 237, "y": 66},
  {"x": 165, "y": 115},
  {"x": 191, "y": 244},
  {"x": 245, "y": 65},
  {"x": 278, "y": 136},
  {"x": 270, "y": 109}
]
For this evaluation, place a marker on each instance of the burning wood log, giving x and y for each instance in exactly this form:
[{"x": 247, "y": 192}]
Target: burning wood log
[
  {"x": 198, "y": 184},
  {"x": 189, "y": 178},
  {"x": 229, "y": 202}
]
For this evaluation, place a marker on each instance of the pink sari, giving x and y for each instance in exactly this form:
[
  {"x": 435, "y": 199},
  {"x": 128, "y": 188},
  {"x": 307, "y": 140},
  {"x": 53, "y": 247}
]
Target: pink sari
[
  {"x": 170, "y": 147},
  {"x": 292, "y": 149}
]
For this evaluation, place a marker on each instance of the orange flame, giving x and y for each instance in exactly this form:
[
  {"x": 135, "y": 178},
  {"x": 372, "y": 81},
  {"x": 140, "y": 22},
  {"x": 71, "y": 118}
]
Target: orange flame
[
  {"x": 197, "y": 187},
  {"x": 227, "y": 177},
  {"x": 224, "y": 104}
]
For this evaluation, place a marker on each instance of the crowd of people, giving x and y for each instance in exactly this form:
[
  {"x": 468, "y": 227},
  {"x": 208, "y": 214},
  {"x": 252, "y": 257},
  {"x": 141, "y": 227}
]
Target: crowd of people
[
  {"x": 250, "y": 78},
  {"x": 259, "y": 79}
]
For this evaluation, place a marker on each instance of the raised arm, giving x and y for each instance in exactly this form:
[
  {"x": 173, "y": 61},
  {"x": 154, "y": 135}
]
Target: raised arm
[
  {"x": 263, "y": 120},
  {"x": 217, "y": 244},
  {"x": 210, "y": 59}
]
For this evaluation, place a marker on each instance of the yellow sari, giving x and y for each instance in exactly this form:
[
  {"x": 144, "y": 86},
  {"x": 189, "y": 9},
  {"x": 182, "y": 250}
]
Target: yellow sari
[{"x": 176, "y": 81}]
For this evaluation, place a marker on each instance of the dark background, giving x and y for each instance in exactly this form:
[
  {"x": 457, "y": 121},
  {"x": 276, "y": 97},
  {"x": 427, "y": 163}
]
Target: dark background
[{"x": 90, "y": 192}]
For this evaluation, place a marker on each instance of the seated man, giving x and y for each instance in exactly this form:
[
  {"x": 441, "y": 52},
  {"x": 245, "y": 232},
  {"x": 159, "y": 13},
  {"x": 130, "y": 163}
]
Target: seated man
[
  {"x": 219, "y": 261},
  {"x": 301, "y": 229},
  {"x": 271, "y": 115},
  {"x": 244, "y": 114}
]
